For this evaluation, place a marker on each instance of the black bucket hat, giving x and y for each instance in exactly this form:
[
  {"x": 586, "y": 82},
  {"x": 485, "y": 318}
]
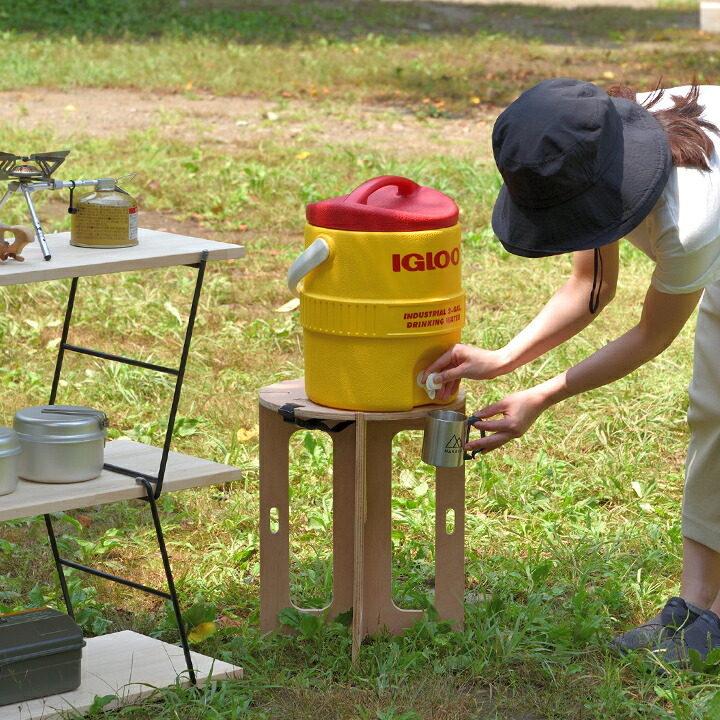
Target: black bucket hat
[{"x": 580, "y": 169}]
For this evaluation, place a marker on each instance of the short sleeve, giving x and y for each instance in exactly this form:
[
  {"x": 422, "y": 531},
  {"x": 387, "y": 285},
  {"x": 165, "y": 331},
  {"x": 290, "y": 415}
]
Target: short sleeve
[
  {"x": 687, "y": 273},
  {"x": 682, "y": 234}
]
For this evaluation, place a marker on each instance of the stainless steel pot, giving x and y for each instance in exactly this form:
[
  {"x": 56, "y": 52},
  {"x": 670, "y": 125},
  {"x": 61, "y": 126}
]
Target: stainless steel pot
[
  {"x": 61, "y": 443},
  {"x": 9, "y": 451}
]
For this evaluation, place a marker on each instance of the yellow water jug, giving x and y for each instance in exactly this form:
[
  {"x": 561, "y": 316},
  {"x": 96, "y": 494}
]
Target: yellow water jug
[{"x": 380, "y": 293}]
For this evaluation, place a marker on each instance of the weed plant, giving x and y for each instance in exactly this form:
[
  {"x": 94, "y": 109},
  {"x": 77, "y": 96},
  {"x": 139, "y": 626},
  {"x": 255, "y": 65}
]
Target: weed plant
[{"x": 572, "y": 533}]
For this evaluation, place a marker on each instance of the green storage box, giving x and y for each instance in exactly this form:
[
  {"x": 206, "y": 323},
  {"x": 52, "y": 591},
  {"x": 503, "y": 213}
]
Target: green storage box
[{"x": 40, "y": 654}]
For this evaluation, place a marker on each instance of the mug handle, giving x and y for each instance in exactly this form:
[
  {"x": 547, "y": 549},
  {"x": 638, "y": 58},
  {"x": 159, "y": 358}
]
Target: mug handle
[
  {"x": 472, "y": 419},
  {"x": 314, "y": 254}
]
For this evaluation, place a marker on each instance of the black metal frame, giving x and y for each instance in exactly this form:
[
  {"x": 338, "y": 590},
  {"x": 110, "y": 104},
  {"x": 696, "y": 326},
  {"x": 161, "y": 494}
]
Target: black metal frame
[{"x": 152, "y": 483}]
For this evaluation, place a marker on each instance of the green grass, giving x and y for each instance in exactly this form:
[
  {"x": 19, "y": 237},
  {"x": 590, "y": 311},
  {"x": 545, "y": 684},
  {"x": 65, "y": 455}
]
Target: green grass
[
  {"x": 572, "y": 532},
  {"x": 378, "y": 51}
]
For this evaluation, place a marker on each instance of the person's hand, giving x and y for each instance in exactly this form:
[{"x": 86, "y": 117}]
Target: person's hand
[
  {"x": 517, "y": 413},
  {"x": 463, "y": 361}
]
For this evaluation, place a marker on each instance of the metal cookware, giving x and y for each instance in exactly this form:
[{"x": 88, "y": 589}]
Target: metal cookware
[
  {"x": 61, "y": 443},
  {"x": 446, "y": 433},
  {"x": 9, "y": 451}
]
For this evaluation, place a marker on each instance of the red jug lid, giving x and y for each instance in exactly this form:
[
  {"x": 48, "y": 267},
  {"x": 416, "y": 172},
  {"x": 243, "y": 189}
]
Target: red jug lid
[{"x": 388, "y": 203}]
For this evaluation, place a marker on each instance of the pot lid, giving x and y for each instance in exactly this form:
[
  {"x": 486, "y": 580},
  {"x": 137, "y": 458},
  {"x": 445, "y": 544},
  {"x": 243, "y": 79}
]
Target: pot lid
[
  {"x": 388, "y": 203},
  {"x": 65, "y": 421},
  {"x": 9, "y": 442}
]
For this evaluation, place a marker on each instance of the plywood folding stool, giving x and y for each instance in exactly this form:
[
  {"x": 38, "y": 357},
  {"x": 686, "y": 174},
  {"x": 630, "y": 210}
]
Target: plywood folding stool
[{"x": 362, "y": 493}]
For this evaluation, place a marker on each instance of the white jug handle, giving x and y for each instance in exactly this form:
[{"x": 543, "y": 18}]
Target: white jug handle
[{"x": 310, "y": 258}]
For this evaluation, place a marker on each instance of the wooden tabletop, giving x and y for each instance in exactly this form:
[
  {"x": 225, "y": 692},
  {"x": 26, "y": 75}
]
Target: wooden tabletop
[
  {"x": 182, "y": 472},
  {"x": 155, "y": 249},
  {"x": 275, "y": 396}
]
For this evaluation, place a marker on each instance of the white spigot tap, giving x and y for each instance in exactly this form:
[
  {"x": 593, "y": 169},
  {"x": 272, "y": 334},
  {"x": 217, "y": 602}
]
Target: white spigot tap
[{"x": 430, "y": 385}]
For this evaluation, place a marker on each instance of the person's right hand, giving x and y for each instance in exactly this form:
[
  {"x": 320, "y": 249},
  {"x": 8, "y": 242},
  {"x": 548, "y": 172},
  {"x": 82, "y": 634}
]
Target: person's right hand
[{"x": 463, "y": 361}]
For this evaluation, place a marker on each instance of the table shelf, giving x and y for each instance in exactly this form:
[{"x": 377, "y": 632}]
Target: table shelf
[
  {"x": 182, "y": 472},
  {"x": 155, "y": 249}
]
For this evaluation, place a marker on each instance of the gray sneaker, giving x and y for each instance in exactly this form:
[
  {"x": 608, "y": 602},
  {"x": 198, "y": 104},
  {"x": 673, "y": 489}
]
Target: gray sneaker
[
  {"x": 703, "y": 635},
  {"x": 675, "y": 616}
]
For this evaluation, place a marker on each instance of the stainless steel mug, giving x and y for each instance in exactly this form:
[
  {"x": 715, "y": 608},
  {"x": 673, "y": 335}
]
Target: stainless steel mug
[{"x": 446, "y": 433}]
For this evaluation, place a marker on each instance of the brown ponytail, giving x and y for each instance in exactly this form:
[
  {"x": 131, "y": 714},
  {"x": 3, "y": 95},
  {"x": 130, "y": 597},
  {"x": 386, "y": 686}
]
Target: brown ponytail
[{"x": 686, "y": 130}]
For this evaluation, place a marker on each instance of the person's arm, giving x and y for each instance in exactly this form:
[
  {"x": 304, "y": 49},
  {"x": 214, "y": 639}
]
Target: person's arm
[
  {"x": 567, "y": 312},
  {"x": 663, "y": 317},
  {"x": 563, "y": 316}
]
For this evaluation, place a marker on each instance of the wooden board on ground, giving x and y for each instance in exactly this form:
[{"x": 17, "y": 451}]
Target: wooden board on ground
[{"x": 127, "y": 665}]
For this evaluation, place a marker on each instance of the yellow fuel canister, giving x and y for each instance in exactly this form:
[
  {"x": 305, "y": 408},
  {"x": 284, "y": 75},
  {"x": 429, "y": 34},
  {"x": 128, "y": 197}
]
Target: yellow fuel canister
[
  {"x": 380, "y": 293},
  {"x": 106, "y": 217}
]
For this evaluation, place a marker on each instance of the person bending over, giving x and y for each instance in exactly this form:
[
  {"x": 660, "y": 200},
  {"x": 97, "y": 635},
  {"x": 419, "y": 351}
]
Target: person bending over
[{"x": 582, "y": 168}]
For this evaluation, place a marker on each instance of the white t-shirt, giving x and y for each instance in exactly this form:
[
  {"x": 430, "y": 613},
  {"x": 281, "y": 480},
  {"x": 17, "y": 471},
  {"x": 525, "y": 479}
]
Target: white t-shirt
[{"x": 682, "y": 232}]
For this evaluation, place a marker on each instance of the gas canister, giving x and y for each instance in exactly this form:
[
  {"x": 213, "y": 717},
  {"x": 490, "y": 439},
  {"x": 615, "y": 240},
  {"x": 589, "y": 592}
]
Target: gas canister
[
  {"x": 106, "y": 217},
  {"x": 380, "y": 293}
]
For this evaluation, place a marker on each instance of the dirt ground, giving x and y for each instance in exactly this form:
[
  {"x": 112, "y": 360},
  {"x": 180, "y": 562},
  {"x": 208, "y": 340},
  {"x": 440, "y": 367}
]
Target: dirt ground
[
  {"x": 230, "y": 122},
  {"x": 239, "y": 121}
]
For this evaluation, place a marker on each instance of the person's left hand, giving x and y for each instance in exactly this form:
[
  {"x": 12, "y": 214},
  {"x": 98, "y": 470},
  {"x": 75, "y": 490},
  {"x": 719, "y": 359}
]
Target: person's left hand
[{"x": 518, "y": 412}]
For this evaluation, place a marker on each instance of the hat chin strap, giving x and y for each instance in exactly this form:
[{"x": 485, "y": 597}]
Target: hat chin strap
[{"x": 597, "y": 282}]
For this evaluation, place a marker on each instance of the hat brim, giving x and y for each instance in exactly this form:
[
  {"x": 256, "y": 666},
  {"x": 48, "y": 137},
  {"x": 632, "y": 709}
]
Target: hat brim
[{"x": 607, "y": 211}]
